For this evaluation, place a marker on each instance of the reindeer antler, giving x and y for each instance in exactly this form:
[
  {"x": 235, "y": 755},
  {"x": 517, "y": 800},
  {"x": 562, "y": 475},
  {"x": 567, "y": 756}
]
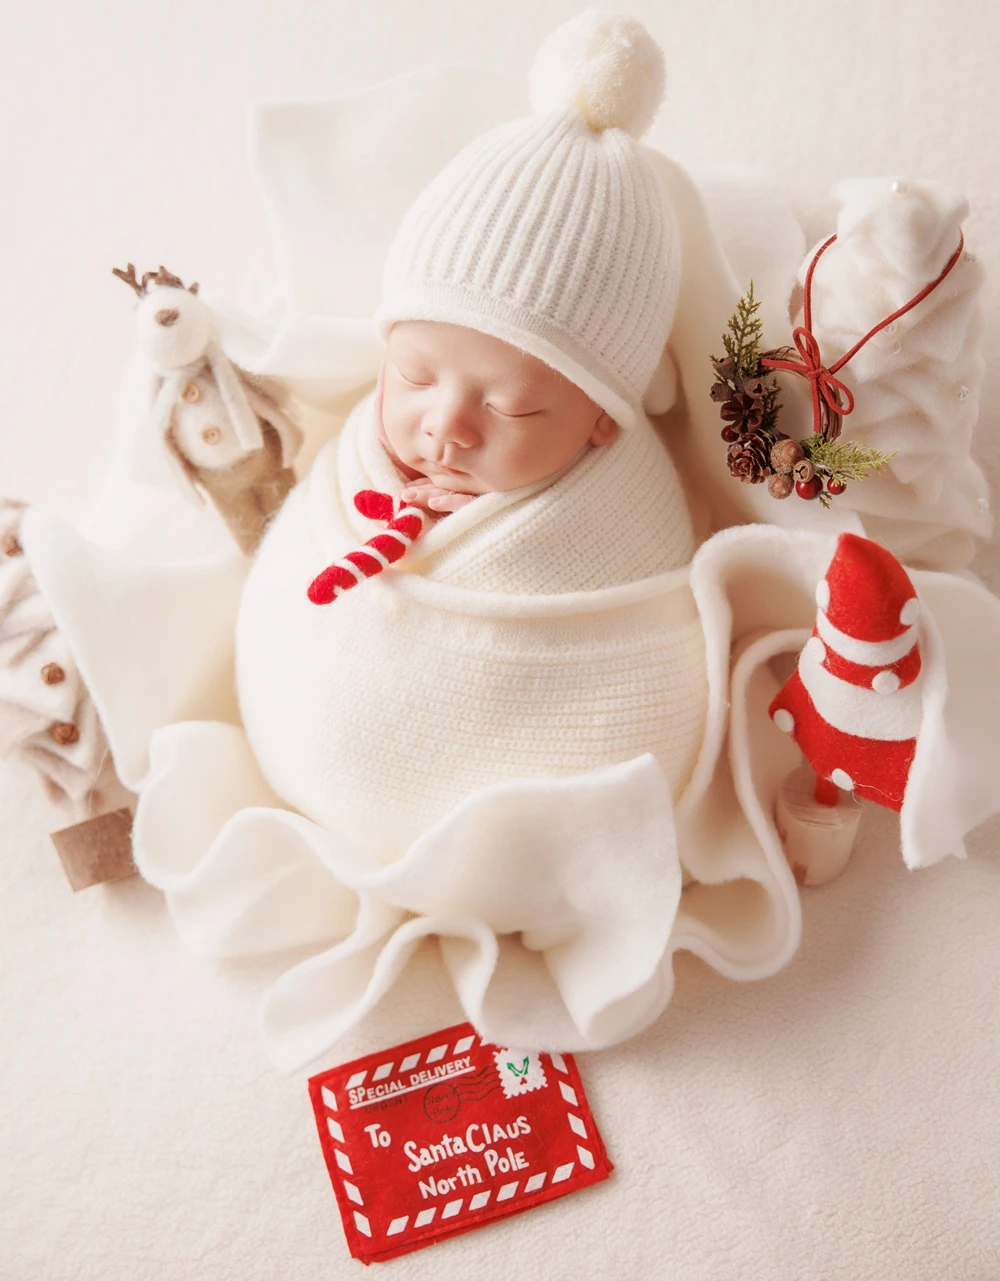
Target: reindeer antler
[
  {"x": 160, "y": 277},
  {"x": 129, "y": 277},
  {"x": 165, "y": 277}
]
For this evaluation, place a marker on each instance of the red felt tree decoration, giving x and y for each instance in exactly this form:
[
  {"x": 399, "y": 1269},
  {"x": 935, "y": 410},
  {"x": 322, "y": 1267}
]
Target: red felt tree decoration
[{"x": 853, "y": 704}]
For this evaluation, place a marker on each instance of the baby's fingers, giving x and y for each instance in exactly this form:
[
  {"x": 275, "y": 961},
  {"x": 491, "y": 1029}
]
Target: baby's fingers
[
  {"x": 418, "y": 492},
  {"x": 448, "y": 502}
]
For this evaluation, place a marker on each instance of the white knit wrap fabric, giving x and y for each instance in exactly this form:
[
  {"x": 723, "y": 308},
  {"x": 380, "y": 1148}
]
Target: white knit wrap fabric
[
  {"x": 553, "y": 237},
  {"x": 487, "y": 659}
]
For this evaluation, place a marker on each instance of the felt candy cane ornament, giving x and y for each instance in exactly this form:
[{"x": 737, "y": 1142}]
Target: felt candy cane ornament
[
  {"x": 384, "y": 549},
  {"x": 378, "y": 553}
]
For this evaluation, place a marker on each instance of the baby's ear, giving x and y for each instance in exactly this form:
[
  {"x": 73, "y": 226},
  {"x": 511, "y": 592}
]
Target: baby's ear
[{"x": 605, "y": 430}]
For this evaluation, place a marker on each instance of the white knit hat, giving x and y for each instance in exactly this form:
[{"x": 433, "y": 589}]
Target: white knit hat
[{"x": 553, "y": 233}]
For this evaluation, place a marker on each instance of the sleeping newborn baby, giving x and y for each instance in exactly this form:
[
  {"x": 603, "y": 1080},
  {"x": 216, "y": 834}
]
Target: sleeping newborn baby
[
  {"x": 462, "y": 414},
  {"x": 545, "y": 627},
  {"x": 515, "y": 737}
]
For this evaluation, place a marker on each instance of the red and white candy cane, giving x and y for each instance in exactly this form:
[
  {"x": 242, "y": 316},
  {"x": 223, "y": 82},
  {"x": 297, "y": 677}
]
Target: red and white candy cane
[{"x": 378, "y": 553}]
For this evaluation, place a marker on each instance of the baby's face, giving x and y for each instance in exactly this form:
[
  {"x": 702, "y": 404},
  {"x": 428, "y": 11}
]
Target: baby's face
[{"x": 474, "y": 415}]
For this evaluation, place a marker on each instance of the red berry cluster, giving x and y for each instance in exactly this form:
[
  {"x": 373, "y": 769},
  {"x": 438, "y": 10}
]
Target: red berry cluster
[{"x": 813, "y": 487}]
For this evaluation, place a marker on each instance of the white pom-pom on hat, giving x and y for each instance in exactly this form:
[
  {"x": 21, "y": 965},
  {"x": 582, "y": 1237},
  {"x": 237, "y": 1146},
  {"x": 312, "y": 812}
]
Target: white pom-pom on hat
[{"x": 604, "y": 65}]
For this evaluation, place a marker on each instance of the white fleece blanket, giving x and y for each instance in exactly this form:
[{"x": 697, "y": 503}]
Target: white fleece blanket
[{"x": 556, "y": 891}]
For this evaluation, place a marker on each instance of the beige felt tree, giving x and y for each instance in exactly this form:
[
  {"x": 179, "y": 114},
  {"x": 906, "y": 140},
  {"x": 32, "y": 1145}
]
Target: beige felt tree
[{"x": 49, "y": 722}]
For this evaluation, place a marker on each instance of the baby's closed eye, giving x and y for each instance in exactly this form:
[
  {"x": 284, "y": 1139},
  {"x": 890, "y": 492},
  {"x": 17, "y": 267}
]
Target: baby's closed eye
[
  {"x": 416, "y": 377},
  {"x": 515, "y": 413}
]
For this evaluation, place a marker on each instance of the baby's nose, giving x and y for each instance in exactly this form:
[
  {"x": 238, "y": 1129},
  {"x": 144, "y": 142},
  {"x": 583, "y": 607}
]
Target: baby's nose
[{"x": 451, "y": 424}]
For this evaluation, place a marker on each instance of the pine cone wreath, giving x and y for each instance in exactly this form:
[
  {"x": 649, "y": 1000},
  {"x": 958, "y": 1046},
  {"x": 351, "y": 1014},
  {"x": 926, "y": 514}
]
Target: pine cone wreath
[
  {"x": 749, "y": 458},
  {"x": 746, "y": 391}
]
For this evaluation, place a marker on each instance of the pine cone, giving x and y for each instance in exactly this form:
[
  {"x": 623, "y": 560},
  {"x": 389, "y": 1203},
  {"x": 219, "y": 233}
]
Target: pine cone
[
  {"x": 744, "y": 411},
  {"x": 749, "y": 458}
]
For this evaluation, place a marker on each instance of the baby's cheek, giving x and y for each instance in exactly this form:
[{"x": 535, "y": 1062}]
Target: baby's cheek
[
  {"x": 396, "y": 428},
  {"x": 515, "y": 460},
  {"x": 548, "y": 448}
]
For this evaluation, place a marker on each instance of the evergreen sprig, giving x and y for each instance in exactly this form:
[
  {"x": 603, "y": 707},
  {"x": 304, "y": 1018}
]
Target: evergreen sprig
[
  {"x": 843, "y": 460},
  {"x": 746, "y": 329}
]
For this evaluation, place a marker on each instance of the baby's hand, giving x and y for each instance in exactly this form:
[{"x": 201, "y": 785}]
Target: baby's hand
[{"x": 422, "y": 493}]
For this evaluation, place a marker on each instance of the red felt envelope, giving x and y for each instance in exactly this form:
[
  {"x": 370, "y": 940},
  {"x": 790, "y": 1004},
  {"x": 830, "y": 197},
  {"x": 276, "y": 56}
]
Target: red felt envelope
[{"x": 445, "y": 1133}]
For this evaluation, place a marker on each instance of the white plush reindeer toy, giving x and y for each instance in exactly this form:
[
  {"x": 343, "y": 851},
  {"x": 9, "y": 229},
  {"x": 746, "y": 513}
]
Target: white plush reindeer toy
[{"x": 213, "y": 429}]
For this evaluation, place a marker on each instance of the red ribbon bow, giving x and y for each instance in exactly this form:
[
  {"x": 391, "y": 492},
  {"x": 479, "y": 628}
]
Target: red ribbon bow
[{"x": 825, "y": 388}]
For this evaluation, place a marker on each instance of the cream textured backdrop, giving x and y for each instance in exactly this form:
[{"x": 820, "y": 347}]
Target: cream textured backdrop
[{"x": 839, "y": 1122}]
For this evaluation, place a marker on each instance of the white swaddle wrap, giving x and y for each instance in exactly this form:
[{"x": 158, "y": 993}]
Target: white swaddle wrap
[{"x": 544, "y": 632}]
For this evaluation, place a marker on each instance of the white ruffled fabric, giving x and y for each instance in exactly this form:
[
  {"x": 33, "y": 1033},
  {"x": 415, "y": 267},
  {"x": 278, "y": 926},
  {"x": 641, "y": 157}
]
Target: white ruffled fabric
[
  {"x": 558, "y": 900},
  {"x": 539, "y": 842}
]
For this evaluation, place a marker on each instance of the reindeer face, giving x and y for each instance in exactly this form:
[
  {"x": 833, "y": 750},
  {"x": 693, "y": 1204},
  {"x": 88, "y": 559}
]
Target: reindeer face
[{"x": 174, "y": 326}]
